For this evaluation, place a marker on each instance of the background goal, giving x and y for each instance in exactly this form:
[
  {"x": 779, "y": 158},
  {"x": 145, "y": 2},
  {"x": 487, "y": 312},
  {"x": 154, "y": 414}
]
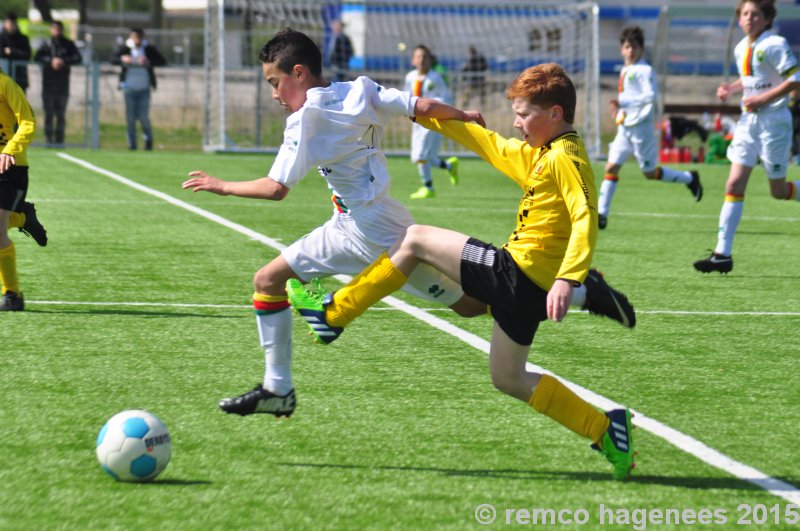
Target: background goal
[{"x": 510, "y": 34}]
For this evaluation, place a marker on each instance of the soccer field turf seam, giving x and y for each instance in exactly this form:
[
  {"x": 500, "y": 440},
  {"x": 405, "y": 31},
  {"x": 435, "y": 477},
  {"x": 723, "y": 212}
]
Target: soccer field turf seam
[{"x": 680, "y": 440}]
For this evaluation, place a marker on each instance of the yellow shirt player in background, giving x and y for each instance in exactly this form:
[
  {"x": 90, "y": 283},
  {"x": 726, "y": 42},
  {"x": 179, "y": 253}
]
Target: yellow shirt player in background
[
  {"x": 542, "y": 269},
  {"x": 17, "y": 125}
]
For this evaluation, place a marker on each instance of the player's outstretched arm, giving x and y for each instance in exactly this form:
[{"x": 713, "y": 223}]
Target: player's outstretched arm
[
  {"x": 263, "y": 188},
  {"x": 431, "y": 108}
]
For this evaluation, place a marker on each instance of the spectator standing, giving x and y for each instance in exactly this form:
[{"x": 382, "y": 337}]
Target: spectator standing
[
  {"x": 15, "y": 47},
  {"x": 56, "y": 55},
  {"x": 138, "y": 59},
  {"x": 339, "y": 51},
  {"x": 475, "y": 76}
]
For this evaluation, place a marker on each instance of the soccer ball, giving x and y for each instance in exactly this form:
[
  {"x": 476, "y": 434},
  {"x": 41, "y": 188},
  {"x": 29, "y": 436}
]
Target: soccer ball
[{"x": 133, "y": 445}]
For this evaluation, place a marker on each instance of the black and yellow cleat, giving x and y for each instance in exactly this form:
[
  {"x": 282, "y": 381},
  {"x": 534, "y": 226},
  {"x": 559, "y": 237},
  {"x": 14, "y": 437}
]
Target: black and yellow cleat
[
  {"x": 12, "y": 302},
  {"x": 32, "y": 226}
]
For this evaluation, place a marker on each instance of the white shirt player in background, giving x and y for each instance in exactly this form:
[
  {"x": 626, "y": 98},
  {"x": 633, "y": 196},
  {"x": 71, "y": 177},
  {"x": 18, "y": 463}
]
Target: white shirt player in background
[
  {"x": 335, "y": 128},
  {"x": 633, "y": 113},
  {"x": 768, "y": 72},
  {"x": 424, "y": 82}
]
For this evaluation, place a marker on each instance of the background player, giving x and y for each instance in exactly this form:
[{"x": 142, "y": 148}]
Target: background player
[
  {"x": 633, "y": 113},
  {"x": 350, "y": 117},
  {"x": 533, "y": 276},
  {"x": 425, "y": 82},
  {"x": 768, "y": 72},
  {"x": 15, "y": 115}
]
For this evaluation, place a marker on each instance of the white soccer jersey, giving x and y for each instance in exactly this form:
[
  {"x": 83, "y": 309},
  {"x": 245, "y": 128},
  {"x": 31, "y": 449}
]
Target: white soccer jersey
[
  {"x": 425, "y": 144},
  {"x": 637, "y": 92},
  {"x": 430, "y": 85},
  {"x": 338, "y": 130},
  {"x": 765, "y": 65}
]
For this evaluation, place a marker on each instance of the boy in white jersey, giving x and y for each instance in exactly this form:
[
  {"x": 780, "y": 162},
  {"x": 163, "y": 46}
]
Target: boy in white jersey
[
  {"x": 633, "y": 111},
  {"x": 768, "y": 73},
  {"x": 336, "y": 128},
  {"x": 424, "y": 82},
  {"x": 534, "y": 276}
]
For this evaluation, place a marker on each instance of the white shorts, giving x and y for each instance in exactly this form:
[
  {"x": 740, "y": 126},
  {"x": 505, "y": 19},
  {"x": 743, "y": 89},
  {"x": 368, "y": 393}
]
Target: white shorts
[
  {"x": 425, "y": 144},
  {"x": 766, "y": 135},
  {"x": 638, "y": 140},
  {"x": 341, "y": 246}
]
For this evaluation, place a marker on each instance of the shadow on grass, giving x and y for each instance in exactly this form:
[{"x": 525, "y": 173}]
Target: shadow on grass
[
  {"x": 177, "y": 482},
  {"x": 685, "y": 482},
  {"x": 138, "y": 313}
]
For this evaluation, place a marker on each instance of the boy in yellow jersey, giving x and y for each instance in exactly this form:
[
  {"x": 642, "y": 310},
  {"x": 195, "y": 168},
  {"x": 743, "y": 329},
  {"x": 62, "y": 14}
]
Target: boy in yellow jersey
[
  {"x": 15, "y": 212},
  {"x": 533, "y": 276}
]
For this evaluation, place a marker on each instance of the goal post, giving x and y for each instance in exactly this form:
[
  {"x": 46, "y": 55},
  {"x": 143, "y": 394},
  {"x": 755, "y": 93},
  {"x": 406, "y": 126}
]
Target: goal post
[{"x": 511, "y": 34}]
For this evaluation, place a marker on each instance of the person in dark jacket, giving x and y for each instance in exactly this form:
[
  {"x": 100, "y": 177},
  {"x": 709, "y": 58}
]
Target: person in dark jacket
[
  {"x": 56, "y": 55},
  {"x": 15, "y": 47},
  {"x": 138, "y": 59}
]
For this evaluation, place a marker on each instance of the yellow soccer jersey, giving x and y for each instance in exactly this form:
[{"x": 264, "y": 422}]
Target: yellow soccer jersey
[
  {"x": 557, "y": 220},
  {"x": 17, "y": 122}
]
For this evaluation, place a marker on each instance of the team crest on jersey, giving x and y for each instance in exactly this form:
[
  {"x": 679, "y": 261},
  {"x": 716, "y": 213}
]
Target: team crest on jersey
[
  {"x": 539, "y": 169},
  {"x": 631, "y": 76},
  {"x": 760, "y": 55}
]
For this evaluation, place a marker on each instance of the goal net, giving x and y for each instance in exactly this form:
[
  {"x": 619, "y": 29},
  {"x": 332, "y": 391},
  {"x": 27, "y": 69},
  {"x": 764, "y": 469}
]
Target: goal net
[{"x": 510, "y": 34}]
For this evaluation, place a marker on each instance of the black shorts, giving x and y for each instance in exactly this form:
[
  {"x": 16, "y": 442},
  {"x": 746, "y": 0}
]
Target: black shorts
[
  {"x": 13, "y": 187},
  {"x": 492, "y": 276}
]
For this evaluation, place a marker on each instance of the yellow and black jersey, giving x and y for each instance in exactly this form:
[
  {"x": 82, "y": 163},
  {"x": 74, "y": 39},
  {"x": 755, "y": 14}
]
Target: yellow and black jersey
[
  {"x": 17, "y": 122},
  {"x": 557, "y": 220}
]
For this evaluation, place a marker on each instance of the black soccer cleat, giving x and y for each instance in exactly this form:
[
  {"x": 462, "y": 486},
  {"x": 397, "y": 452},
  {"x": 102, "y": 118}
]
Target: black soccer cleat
[
  {"x": 602, "y": 299},
  {"x": 259, "y": 400},
  {"x": 12, "y": 302},
  {"x": 602, "y": 221},
  {"x": 715, "y": 262},
  {"x": 32, "y": 226},
  {"x": 695, "y": 187}
]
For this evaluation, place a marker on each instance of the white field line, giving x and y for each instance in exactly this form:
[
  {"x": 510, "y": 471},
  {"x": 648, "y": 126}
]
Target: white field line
[{"x": 680, "y": 440}]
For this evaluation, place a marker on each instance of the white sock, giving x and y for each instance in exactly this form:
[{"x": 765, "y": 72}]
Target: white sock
[
  {"x": 675, "y": 176},
  {"x": 275, "y": 335},
  {"x": 607, "y": 190},
  {"x": 579, "y": 296},
  {"x": 424, "y": 169},
  {"x": 729, "y": 218}
]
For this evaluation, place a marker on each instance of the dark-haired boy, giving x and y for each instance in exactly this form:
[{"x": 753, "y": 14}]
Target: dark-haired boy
[
  {"x": 335, "y": 128},
  {"x": 633, "y": 111}
]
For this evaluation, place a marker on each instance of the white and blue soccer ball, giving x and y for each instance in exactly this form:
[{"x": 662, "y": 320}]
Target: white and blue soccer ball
[{"x": 133, "y": 445}]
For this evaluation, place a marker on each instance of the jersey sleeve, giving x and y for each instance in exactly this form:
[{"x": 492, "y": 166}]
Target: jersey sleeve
[
  {"x": 26, "y": 122},
  {"x": 390, "y": 101},
  {"x": 511, "y": 156},
  {"x": 579, "y": 196},
  {"x": 784, "y": 61},
  {"x": 295, "y": 156}
]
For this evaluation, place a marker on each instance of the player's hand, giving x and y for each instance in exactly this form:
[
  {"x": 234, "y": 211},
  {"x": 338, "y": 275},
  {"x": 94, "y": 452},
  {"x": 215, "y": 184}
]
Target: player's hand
[
  {"x": 558, "y": 299},
  {"x": 126, "y": 59},
  {"x": 753, "y": 103},
  {"x": 6, "y": 161},
  {"x": 723, "y": 91},
  {"x": 200, "y": 180},
  {"x": 614, "y": 106},
  {"x": 474, "y": 116}
]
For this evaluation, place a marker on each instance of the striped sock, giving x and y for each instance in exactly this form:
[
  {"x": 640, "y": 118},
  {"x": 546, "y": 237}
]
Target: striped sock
[
  {"x": 729, "y": 218},
  {"x": 607, "y": 190},
  {"x": 274, "y": 321}
]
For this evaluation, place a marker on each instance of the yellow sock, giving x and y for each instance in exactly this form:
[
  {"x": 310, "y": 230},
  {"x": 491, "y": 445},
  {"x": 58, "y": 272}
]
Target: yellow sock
[
  {"x": 371, "y": 285},
  {"x": 554, "y": 399},
  {"x": 8, "y": 269},
  {"x": 16, "y": 219}
]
